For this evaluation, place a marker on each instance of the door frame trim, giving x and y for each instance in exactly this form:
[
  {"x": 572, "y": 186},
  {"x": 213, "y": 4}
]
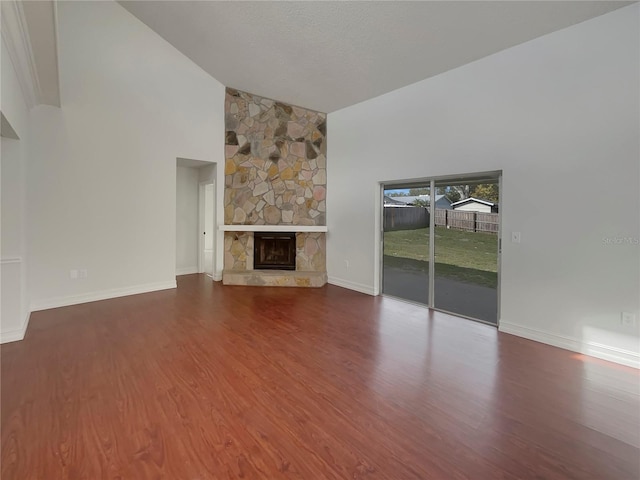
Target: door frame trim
[{"x": 201, "y": 226}]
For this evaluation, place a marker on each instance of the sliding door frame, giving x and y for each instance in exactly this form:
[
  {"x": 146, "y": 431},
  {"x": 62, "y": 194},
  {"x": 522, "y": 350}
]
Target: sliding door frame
[{"x": 490, "y": 177}]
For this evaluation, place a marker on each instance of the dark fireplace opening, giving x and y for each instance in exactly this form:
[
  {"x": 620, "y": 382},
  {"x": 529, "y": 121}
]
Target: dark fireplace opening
[{"x": 274, "y": 251}]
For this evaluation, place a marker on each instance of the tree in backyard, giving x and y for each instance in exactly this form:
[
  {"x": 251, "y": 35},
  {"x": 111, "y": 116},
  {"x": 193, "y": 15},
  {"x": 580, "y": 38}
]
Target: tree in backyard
[
  {"x": 452, "y": 195},
  {"x": 486, "y": 191},
  {"x": 455, "y": 193}
]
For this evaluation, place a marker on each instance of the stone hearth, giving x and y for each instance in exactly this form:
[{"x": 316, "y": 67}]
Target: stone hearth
[
  {"x": 275, "y": 174},
  {"x": 274, "y": 278}
]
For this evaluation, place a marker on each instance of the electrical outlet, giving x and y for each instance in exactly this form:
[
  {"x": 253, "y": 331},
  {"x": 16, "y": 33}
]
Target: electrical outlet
[
  {"x": 82, "y": 273},
  {"x": 628, "y": 319},
  {"x": 73, "y": 274},
  {"x": 515, "y": 237},
  {"x": 346, "y": 264}
]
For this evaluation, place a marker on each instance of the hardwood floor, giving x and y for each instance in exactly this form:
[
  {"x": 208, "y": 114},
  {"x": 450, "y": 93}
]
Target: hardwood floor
[{"x": 213, "y": 382}]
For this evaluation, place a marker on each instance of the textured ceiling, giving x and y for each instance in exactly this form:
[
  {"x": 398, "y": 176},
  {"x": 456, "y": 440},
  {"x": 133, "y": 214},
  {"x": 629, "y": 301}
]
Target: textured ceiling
[{"x": 329, "y": 55}]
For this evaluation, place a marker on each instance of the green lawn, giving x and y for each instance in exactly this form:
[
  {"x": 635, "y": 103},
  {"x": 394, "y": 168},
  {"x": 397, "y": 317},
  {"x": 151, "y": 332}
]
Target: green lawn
[{"x": 465, "y": 256}]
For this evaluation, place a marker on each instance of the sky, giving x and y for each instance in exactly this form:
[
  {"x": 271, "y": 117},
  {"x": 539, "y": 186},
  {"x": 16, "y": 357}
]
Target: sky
[{"x": 397, "y": 191}]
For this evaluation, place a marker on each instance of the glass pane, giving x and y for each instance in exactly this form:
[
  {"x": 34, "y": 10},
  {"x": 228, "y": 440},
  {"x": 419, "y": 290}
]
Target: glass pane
[
  {"x": 406, "y": 244},
  {"x": 466, "y": 250}
]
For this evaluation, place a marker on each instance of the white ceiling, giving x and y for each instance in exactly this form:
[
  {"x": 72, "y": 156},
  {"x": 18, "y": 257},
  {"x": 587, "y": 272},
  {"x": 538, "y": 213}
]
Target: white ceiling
[{"x": 329, "y": 55}]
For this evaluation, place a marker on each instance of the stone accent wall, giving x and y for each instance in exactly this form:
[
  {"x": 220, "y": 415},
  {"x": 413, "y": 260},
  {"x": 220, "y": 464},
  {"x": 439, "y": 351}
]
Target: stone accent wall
[
  {"x": 238, "y": 250},
  {"x": 310, "y": 252},
  {"x": 275, "y": 174},
  {"x": 275, "y": 162}
]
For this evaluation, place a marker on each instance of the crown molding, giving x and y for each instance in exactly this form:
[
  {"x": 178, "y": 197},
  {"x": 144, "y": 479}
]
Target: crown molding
[{"x": 16, "y": 38}]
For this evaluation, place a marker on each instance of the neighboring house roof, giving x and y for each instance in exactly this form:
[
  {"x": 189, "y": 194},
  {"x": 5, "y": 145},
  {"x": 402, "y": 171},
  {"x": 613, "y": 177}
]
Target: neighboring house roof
[
  {"x": 473, "y": 199},
  {"x": 390, "y": 201},
  {"x": 442, "y": 197}
]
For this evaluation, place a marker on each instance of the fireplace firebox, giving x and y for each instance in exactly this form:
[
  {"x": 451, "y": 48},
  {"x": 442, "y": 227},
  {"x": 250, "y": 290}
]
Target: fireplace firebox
[{"x": 274, "y": 251}]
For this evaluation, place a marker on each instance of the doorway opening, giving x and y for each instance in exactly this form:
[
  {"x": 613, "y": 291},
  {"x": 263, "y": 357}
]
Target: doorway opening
[
  {"x": 441, "y": 243},
  {"x": 195, "y": 217}
]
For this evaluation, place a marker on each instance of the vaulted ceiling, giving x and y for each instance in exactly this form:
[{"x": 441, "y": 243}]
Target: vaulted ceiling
[
  {"x": 329, "y": 55},
  {"x": 323, "y": 55},
  {"x": 29, "y": 33}
]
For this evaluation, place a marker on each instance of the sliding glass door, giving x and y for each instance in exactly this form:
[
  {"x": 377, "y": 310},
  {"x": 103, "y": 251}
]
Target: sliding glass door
[
  {"x": 444, "y": 253},
  {"x": 466, "y": 250},
  {"x": 406, "y": 243}
]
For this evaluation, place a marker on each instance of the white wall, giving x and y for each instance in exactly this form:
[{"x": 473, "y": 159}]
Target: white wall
[
  {"x": 559, "y": 116},
  {"x": 187, "y": 228},
  {"x": 102, "y": 178},
  {"x": 14, "y": 310}
]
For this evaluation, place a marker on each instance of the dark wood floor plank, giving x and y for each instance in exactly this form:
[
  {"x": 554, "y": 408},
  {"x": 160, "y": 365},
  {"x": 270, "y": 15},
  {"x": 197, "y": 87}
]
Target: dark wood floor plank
[{"x": 213, "y": 382}]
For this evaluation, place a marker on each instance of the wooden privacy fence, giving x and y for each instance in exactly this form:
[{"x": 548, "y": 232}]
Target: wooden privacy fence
[
  {"x": 409, "y": 218},
  {"x": 487, "y": 222},
  {"x": 469, "y": 221},
  {"x": 441, "y": 217},
  {"x": 405, "y": 218}
]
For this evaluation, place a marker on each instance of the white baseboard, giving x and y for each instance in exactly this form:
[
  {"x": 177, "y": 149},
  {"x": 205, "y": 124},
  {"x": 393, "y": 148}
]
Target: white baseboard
[
  {"x": 186, "y": 270},
  {"x": 358, "y": 287},
  {"x": 15, "y": 335},
  {"x": 598, "y": 350},
  {"x": 102, "y": 295}
]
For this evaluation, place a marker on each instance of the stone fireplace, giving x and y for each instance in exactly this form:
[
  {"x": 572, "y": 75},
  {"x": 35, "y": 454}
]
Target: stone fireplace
[{"x": 275, "y": 189}]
